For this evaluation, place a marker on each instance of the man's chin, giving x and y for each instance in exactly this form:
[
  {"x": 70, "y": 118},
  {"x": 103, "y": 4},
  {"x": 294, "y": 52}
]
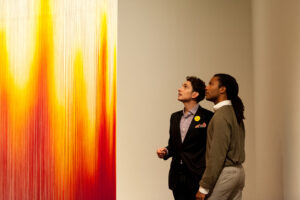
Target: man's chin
[
  {"x": 208, "y": 99},
  {"x": 180, "y": 99}
]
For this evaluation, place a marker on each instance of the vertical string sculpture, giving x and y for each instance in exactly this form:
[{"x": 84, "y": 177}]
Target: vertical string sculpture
[{"x": 58, "y": 99}]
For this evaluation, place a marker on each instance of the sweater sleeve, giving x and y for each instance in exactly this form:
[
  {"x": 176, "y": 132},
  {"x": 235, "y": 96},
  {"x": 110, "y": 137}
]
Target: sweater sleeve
[{"x": 218, "y": 145}]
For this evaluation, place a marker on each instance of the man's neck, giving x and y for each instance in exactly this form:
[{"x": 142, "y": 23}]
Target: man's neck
[
  {"x": 220, "y": 99},
  {"x": 189, "y": 106}
]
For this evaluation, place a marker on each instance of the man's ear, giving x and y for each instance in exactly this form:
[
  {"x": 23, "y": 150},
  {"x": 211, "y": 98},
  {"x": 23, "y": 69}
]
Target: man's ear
[
  {"x": 222, "y": 89},
  {"x": 195, "y": 94}
]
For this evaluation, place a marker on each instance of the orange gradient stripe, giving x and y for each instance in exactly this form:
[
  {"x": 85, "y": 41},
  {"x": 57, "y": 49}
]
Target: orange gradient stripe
[{"x": 54, "y": 150}]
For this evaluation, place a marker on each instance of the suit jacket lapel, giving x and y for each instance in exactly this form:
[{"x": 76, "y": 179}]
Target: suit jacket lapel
[{"x": 177, "y": 124}]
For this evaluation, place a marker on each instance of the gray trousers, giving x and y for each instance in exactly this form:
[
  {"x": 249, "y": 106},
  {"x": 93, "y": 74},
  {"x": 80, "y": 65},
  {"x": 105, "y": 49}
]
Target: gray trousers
[{"x": 229, "y": 185}]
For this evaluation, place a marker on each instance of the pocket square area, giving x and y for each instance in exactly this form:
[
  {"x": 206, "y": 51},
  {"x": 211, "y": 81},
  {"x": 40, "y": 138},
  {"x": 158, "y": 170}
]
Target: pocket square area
[{"x": 203, "y": 125}]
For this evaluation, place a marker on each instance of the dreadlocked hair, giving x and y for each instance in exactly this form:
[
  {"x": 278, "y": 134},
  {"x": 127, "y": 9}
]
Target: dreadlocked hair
[{"x": 232, "y": 90}]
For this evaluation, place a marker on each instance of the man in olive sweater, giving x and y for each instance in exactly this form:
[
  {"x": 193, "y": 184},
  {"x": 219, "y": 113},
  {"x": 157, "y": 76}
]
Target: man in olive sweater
[{"x": 224, "y": 176}]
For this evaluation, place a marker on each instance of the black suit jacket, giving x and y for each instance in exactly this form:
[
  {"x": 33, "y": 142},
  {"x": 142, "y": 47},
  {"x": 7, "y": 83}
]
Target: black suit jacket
[{"x": 192, "y": 150}]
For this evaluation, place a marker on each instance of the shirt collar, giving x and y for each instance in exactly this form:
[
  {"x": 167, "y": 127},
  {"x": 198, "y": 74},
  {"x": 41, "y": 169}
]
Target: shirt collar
[
  {"x": 221, "y": 104},
  {"x": 192, "y": 111}
]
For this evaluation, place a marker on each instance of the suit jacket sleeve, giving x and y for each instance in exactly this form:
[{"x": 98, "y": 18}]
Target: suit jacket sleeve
[{"x": 170, "y": 143}]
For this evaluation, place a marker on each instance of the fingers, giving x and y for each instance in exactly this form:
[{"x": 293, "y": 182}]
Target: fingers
[
  {"x": 160, "y": 155},
  {"x": 161, "y": 152},
  {"x": 164, "y": 150},
  {"x": 200, "y": 196}
]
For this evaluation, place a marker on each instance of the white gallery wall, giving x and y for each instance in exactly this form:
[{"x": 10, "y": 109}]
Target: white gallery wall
[
  {"x": 160, "y": 42},
  {"x": 276, "y": 45}
]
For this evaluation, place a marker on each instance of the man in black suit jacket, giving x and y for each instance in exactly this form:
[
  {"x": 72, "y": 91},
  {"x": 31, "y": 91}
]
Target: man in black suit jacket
[{"x": 187, "y": 141}]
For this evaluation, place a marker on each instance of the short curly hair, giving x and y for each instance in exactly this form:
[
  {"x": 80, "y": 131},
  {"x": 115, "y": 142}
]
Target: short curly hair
[{"x": 198, "y": 86}]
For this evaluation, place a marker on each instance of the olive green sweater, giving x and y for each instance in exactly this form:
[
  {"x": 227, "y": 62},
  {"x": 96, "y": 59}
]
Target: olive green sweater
[{"x": 225, "y": 145}]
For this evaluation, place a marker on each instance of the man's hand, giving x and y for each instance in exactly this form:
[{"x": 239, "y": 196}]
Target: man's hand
[
  {"x": 161, "y": 152},
  {"x": 200, "y": 196}
]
